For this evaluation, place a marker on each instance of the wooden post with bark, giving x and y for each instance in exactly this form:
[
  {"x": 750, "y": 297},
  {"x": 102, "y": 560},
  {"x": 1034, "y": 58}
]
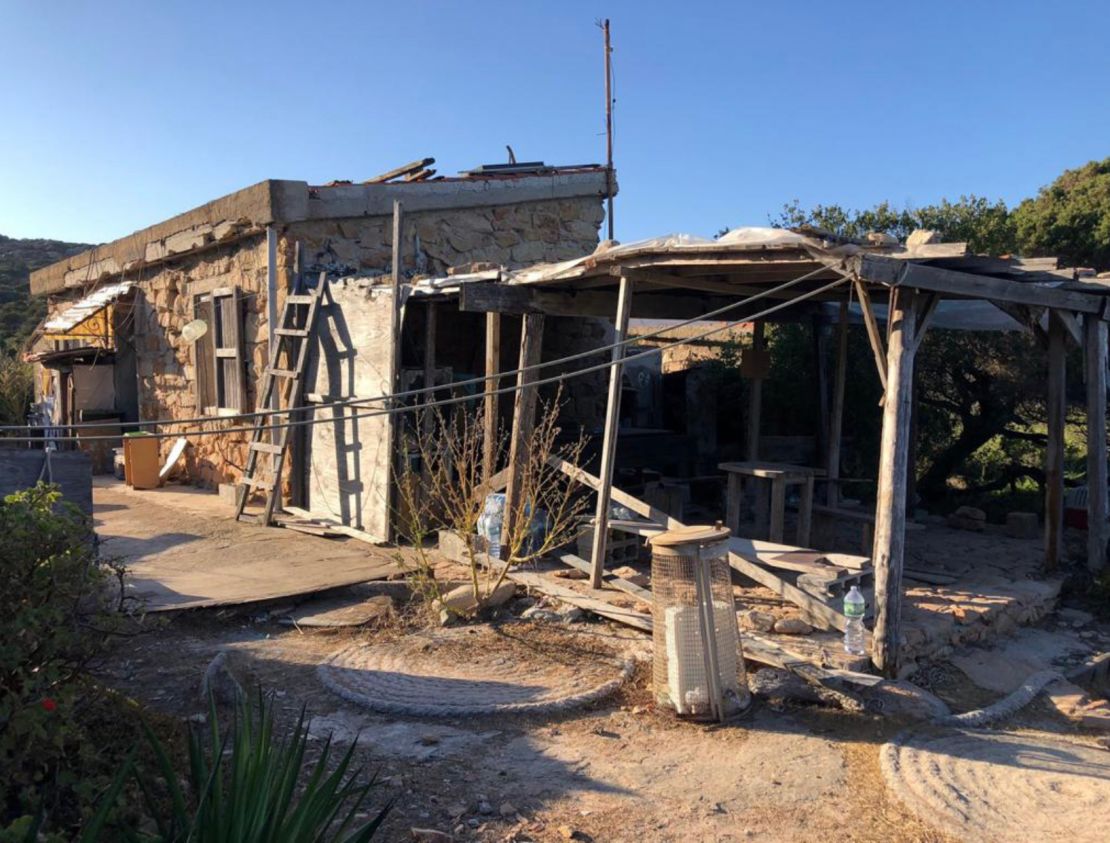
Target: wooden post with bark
[
  {"x": 1056, "y": 410},
  {"x": 493, "y": 368},
  {"x": 609, "y": 440},
  {"x": 1095, "y": 339},
  {"x": 888, "y": 552},
  {"x": 524, "y": 417}
]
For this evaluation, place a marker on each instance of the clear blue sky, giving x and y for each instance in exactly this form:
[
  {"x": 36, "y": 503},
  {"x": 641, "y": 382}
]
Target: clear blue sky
[{"x": 117, "y": 115}]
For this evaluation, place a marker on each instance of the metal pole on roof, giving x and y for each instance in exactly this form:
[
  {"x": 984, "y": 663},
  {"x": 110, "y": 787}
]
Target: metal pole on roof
[{"x": 608, "y": 127}]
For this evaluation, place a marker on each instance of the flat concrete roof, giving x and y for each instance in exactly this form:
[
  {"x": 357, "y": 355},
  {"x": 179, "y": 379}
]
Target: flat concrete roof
[{"x": 249, "y": 211}]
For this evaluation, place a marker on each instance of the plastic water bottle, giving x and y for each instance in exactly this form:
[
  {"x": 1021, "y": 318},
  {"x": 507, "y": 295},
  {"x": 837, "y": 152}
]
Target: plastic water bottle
[{"x": 854, "y": 634}]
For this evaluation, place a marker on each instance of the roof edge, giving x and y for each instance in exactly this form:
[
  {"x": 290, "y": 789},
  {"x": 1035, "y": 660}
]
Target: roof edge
[{"x": 224, "y": 220}]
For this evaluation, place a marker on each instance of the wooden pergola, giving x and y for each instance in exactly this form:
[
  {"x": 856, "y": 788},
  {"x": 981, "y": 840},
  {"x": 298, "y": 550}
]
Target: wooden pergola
[{"x": 787, "y": 272}]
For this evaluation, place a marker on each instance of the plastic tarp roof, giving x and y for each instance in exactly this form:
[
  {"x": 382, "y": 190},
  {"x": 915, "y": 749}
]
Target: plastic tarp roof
[{"x": 86, "y": 307}]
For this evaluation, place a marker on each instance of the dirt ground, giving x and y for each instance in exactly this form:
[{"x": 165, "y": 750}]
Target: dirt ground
[{"x": 617, "y": 770}]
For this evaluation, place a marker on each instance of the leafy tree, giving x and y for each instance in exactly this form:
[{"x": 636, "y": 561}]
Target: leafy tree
[{"x": 1070, "y": 218}]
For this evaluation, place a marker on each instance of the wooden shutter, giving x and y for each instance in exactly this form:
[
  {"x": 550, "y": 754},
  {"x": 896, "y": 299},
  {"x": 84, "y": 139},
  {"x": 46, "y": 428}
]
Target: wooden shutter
[
  {"x": 230, "y": 375},
  {"x": 204, "y": 357}
]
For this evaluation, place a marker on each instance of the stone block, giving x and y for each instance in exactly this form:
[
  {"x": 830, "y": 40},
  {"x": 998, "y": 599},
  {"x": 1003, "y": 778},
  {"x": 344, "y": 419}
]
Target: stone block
[
  {"x": 968, "y": 518},
  {"x": 1023, "y": 525}
]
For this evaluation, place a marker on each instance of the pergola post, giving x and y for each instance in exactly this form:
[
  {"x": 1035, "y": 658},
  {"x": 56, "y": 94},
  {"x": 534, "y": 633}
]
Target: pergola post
[
  {"x": 1056, "y": 409},
  {"x": 493, "y": 368},
  {"x": 755, "y": 396},
  {"x": 890, "y": 511},
  {"x": 429, "y": 362},
  {"x": 609, "y": 440},
  {"x": 836, "y": 414},
  {"x": 524, "y": 420},
  {"x": 1095, "y": 338}
]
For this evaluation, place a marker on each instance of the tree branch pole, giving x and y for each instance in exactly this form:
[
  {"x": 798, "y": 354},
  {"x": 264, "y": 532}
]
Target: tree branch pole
[
  {"x": 890, "y": 512},
  {"x": 1056, "y": 411},
  {"x": 1095, "y": 339},
  {"x": 609, "y": 441}
]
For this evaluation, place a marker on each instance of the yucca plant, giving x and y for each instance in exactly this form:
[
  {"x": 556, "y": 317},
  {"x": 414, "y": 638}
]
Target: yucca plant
[{"x": 247, "y": 786}]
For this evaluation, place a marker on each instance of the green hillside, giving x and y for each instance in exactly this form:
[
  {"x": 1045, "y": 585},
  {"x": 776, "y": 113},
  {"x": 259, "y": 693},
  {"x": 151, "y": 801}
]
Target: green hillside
[{"x": 19, "y": 313}]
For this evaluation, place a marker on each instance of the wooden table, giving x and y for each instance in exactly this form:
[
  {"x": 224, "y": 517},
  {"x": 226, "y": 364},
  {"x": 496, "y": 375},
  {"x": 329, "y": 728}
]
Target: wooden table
[{"x": 781, "y": 475}]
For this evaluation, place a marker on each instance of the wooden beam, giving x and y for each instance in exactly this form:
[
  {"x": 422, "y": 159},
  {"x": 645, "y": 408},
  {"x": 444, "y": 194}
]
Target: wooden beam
[
  {"x": 609, "y": 438},
  {"x": 874, "y": 335},
  {"x": 890, "y": 512},
  {"x": 518, "y": 299},
  {"x": 493, "y": 367},
  {"x": 524, "y": 418},
  {"x": 1056, "y": 411},
  {"x": 821, "y": 332},
  {"x": 1098, "y": 530},
  {"x": 895, "y": 273},
  {"x": 836, "y": 412}
]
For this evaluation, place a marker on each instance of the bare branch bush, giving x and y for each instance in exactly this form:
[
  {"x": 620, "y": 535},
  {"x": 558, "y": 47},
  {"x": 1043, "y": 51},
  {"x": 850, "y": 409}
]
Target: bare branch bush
[{"x": 444, "y": 489}]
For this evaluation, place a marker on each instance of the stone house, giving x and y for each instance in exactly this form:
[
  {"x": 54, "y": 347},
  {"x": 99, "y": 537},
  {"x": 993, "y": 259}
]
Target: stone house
[{"x": 112, "y": 345}]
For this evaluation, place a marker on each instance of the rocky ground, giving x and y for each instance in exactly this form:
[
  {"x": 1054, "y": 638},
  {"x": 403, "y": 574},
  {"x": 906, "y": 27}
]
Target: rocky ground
[{"x": 616, "y": 770}]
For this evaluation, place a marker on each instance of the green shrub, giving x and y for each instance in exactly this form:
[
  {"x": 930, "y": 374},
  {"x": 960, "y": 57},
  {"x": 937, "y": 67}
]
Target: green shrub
[
  {"x": 246, "y": 785},
  {"x": 53, "y": 619}
]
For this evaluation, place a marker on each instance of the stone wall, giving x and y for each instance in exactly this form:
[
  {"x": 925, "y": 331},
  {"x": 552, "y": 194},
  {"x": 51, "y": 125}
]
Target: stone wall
[
  {"x": 505, "y": 235},
  {"x": 508, "y": 235}
]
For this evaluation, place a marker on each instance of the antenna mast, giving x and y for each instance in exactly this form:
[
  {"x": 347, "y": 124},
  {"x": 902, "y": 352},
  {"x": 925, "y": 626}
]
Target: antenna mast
[{"x": 608, "y": 127}]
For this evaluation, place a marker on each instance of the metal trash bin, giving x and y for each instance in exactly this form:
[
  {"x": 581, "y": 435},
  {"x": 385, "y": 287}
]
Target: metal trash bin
[{"x": 698, "y": 668}]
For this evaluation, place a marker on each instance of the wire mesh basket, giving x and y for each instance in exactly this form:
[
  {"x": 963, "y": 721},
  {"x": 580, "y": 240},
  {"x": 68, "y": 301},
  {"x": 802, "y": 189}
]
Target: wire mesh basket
[{"x": 698, "y": 668}]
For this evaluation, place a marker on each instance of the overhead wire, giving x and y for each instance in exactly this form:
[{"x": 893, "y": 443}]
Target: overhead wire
[
  {"x": 459, "y": 399},
  {"x": 415, "y": 393}
]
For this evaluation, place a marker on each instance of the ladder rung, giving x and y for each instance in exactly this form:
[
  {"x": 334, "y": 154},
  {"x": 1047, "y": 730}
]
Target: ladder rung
[
  {"x": 258, "y": 482},
  {"x": 300, "y": 299},
  {"x": 281, "y": 373},
  {"x": 291, "y": 332},
  {"x": 267, "y": 448}
]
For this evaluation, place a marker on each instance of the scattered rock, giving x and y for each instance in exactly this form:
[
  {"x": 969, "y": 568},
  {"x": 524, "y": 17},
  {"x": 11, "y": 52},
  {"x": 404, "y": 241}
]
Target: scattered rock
[
  {"x": 1075, "y": 617},
  {"x": 757, "y": 620},
  {"x": 485, "y": 808},
  {"x": 456, "y": 810},
  {"x": 792, "y": 626},
  {"x": 461, "y": 600},
  {"x": 968, "y": 518},
  {"x": 521, "y": 604},
  {"x": 507, "y": 810},
  {"x": 1023, "y": 525},
  {"x": 539, "y": 613},
  {"x": 430, "y": 835},
  {"x": 571, "y": 574},
  {"x": 573, "y": 615},
  {"x": 219, "y": 683},
  {"x": 627, "y": 572}
]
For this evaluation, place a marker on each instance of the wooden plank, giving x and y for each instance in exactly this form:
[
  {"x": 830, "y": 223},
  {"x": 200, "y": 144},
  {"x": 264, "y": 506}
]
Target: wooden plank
[
  {"x": 1098, "y": 530},
  {"x": 890, "y": 514},
  {"x": 524, "y": 417},
  {"x": 836, "y": 412},
  {"x": 805, "y": 512},
  {"x": 411, "y": 167},
  {"x": 493, "y": 367},
  {"x": 609, "y": 579},
  {"x": 609, "y": 437},
  {"x": 1056, "y": 413},
  {"x": 595, "y": 604},
  {"x": 335, "y": 526},
  {"x": 891, "y": 272},
  {"x": 874, "y": 335}
]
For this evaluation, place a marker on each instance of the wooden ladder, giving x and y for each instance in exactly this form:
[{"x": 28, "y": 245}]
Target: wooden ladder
[{"x": 291, "y": 338}]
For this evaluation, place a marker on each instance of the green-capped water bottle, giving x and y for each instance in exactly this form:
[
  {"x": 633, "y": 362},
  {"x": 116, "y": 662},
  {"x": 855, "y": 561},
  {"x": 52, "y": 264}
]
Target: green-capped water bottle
[{"x": 855, "y": 636}]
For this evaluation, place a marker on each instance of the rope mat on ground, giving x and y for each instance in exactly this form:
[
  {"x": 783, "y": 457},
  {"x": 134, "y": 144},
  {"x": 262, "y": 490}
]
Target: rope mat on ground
[
  {"x": 526, "y": 668},
  {"x": 1002, "y": 786}
]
